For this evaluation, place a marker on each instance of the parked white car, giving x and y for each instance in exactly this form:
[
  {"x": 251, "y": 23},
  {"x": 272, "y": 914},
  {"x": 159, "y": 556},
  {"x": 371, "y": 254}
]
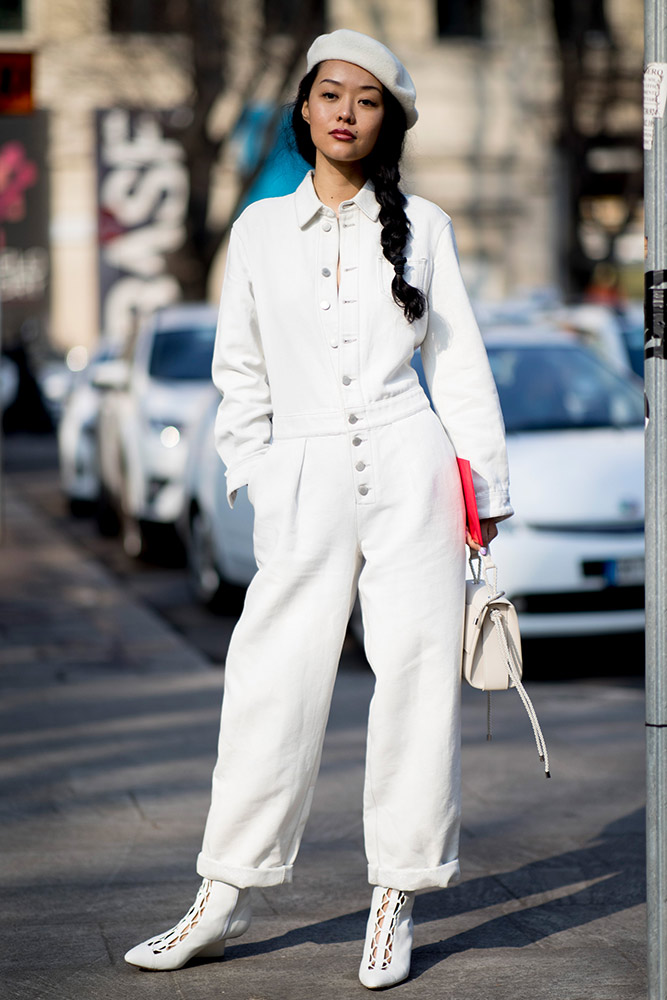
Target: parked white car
[
  {"x": 9, "y": 382},
  {"x": 151, "y": 397},
  {"x": 616, "y": 334},
  {"x": 572, "y": 557},
  {"x": 77, "y": 436},
  {"x": 631, "y": 321},
  {"x": 217, "y": 538}
]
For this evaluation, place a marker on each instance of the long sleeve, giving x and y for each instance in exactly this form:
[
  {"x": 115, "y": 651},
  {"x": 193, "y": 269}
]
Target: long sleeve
[
  {"x": 243, "y": 422},
  {"x": 461, "y": 384}
]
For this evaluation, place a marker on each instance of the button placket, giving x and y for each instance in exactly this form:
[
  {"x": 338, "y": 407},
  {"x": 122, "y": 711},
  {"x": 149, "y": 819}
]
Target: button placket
[
  {"x": 327, "y": 262},
  {"x": 348, "y": 357}
]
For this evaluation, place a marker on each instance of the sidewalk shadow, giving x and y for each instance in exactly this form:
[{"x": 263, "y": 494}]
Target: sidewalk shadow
[{"x": 614, "y": 862}]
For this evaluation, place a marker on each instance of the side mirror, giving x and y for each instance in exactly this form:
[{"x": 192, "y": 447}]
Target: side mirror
[{"x": 114, "y": 374}]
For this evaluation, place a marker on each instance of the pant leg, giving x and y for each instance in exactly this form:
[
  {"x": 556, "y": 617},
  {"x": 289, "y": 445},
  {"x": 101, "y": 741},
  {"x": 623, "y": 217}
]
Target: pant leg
[
  {"x": 411, "y": 590},
  {"x": 282, "y": 663}
]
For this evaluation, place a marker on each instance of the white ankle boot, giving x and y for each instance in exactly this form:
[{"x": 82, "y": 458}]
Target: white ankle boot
[
  {"x": 388, "y": 945},
  {"x": 219, "y": 912}
]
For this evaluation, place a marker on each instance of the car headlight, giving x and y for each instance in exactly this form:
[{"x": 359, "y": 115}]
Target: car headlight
[{"x": 169, "y": 434}]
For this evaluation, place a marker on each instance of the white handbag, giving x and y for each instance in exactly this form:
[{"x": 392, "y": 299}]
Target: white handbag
[{"x": 492, "y": 644}]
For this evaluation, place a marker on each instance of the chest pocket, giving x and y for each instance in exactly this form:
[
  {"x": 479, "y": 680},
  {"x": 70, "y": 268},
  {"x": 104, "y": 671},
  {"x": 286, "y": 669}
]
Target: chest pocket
[{"x": 416, "y": 273}]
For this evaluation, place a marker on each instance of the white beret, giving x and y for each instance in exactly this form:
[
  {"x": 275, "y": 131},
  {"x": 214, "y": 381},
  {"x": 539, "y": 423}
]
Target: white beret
[{"x": 362, "y": 50}]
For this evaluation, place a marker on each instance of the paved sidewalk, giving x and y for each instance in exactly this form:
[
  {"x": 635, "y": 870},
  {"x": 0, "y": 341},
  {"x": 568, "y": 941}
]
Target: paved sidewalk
[{"x": 108, "y": 731}]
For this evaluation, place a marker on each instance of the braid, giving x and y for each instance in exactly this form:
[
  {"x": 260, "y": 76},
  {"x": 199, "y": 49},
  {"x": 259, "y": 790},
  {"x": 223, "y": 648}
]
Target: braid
[
  {"x": 382, "y": 167},
  {"x": 394, "y": 237}
]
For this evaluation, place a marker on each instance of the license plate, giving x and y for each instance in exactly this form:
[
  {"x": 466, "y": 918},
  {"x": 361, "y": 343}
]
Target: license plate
[{"x": 625, "y": 572}]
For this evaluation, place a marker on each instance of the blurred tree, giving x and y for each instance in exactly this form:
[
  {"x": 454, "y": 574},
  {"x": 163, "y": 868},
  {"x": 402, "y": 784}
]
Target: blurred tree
[
  {"x": 601, "y": 151},
  {"x": 281, "y": 42}
]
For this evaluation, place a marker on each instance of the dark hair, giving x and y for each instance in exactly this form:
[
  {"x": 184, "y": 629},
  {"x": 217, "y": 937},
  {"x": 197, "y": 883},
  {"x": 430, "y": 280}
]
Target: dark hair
[{"x": 381, "y": 166}]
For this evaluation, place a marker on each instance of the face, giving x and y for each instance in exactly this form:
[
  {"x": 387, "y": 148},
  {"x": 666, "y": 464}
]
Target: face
[{"x": 345, "y": 110}]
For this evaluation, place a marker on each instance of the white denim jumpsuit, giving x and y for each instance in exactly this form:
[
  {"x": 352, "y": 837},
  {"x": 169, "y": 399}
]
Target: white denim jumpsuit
[{"x": 355, "y": 485}]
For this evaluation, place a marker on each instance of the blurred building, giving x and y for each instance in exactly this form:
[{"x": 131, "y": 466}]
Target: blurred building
[{"x": 529, "y": 136}]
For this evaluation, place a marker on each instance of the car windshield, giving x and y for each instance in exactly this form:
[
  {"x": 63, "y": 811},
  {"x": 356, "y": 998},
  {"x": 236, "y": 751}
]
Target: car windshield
[
  {"x": 560, "y": 388},
  {"x": 182, "y": 354}
]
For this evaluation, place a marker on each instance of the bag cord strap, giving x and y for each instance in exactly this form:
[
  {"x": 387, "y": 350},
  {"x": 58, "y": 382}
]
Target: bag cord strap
[{"x": 540, "y": 742}]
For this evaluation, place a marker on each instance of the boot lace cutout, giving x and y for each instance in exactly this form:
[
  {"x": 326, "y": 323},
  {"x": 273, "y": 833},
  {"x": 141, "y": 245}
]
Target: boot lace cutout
[
  {"x": 389, "y": 909},
  {"x": 178, "y": 933}
]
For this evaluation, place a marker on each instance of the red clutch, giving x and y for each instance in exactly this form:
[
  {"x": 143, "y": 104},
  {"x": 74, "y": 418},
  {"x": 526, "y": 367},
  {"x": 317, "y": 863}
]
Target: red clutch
[{"x": 472, "y": 517}]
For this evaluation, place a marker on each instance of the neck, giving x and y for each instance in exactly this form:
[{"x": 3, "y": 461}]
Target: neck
[{"x": 336, "y": 182}]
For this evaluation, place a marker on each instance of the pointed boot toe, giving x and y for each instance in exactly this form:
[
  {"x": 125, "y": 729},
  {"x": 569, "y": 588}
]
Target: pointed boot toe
[
  {"x": 220, "y": 911},
  {"x": 388, "y": 944}
]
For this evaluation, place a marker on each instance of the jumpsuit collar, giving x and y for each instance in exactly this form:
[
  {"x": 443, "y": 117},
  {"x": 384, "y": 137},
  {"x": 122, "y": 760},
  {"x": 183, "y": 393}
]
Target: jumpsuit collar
[{"x": 308, "y": 204}]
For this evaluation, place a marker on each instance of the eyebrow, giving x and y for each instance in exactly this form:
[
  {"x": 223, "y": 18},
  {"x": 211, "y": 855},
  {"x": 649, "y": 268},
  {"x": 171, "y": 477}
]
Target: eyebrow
[{"x": 366, "y": 86}]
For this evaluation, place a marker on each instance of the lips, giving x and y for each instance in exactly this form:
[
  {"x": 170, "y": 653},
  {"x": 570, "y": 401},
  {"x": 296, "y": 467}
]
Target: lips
[{"x": 341, "y": 133}]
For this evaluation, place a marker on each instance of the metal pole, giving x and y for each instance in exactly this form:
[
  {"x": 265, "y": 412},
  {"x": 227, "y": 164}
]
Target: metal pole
[{"x": 655, "y": 299}]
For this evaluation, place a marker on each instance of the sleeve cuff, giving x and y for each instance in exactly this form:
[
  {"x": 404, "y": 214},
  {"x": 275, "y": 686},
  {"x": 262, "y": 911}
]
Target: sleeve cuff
[{"x": 495, "y": 504}]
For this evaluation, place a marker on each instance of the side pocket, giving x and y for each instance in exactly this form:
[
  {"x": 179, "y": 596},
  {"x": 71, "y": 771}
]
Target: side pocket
[
  {"x": 273, "y": 493},
  {"x": 257, "y": 472}
]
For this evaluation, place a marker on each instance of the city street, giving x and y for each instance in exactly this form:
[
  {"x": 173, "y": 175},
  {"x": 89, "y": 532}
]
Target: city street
[{"x": 111, "y": 686}]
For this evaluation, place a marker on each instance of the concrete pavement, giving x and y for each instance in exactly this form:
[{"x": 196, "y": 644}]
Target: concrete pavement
[{"x": 108, "y": 731}]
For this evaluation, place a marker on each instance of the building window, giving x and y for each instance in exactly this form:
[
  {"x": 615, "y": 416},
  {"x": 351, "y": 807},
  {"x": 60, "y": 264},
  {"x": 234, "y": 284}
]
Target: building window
[
  {"x": 284, "y": 17},
  {"x": 278, "y": 16},
  {"x": 150, "y": 16},
  {"x": 459, "y": 18},
  {"x": 578, "y": 23},
  {"x": 11, "y": 15}
]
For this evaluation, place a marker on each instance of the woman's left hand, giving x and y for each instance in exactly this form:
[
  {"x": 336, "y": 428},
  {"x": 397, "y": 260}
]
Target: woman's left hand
[{"x": 489, "y": 532}]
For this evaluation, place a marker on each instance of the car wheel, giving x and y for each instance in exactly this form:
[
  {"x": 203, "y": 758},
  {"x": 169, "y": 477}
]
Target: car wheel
[
  {"x": 106, "y": 515},
  {"x": 132, "y": 536},
  {"x": 205, "y": 577},
  {"x": 80, "y": 508}
]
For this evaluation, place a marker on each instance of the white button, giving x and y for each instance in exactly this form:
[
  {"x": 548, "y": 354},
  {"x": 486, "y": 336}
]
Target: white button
[
  {"x": 326, "y": 226},
  {"x": 352, "y": 419},
  {"x": 363, "y": 490},
  {"x": 325, "y": 305},
  {"x": 346, "y": 380},
  {"x": 333, "y": 343},
  {"x": 360, "y": 466},
  {"x": 326, "y": 272}
]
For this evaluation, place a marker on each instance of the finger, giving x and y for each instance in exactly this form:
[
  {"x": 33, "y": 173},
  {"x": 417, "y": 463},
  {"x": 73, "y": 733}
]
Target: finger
[{"x": 471, "y": 543}]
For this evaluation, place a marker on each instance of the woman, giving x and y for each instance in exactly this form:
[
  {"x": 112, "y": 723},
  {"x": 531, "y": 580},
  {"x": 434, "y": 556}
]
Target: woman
[{"x": 355, "y": 486}]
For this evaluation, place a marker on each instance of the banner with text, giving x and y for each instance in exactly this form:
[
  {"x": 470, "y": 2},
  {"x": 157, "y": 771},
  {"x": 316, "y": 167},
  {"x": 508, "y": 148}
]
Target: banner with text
[{"x": 143, "y": 188}]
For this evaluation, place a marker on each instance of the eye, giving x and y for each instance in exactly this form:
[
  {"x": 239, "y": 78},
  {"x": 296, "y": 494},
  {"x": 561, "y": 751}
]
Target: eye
[
  {"x": 368, "y": 102},
  {"x": 327, "y": 94}
]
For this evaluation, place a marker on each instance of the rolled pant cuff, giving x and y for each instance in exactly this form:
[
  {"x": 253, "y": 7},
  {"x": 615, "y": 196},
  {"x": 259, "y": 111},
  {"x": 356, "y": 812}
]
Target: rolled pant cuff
[
  {"x": 410, "y": 879},
  {"x": 242, "y": 877}
]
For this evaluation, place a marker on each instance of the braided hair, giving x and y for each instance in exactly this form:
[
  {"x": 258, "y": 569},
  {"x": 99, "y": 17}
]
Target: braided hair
[{"x": 381, "y": 166}]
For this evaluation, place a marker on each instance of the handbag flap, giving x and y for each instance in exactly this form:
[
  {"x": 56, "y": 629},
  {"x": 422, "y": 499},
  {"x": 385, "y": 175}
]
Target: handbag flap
[
  {"x": 492, "y": 644},
  {"x": 484, "y": 665}
]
